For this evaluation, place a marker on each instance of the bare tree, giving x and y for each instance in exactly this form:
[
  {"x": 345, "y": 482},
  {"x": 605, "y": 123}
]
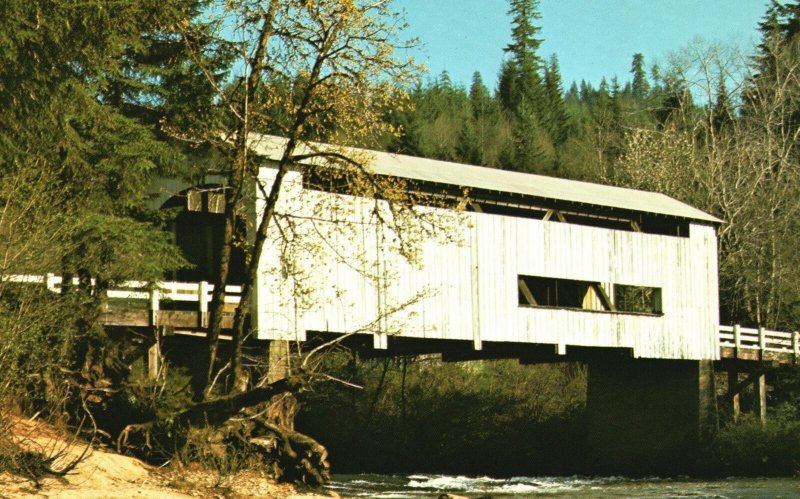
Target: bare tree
[{"x": 742, "y": 166}]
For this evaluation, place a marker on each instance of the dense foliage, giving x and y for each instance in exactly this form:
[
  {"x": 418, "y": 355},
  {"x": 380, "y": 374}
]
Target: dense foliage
[{"x": 417, "y": 414}]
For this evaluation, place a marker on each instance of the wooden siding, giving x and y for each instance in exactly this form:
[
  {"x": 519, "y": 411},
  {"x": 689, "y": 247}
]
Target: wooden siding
[{"x": 344, "y": 275}]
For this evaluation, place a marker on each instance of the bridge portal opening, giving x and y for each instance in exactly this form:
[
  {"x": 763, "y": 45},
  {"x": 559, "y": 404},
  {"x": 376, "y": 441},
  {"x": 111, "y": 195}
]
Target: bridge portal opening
[{"x": 198, "y": 229}]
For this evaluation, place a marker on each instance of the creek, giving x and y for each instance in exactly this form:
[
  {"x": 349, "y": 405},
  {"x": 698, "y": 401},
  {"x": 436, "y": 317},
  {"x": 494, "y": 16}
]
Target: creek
[{"x": 429, "y": 485}]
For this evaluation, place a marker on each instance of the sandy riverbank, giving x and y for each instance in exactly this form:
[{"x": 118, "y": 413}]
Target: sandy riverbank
[{"x": 105, "y": 474}]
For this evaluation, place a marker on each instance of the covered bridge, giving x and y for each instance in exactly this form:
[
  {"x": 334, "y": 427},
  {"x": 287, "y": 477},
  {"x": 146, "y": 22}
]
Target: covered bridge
[{"x": 531, "y": 260}]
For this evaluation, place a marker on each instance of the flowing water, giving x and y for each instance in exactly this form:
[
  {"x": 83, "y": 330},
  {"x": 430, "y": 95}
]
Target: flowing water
[{"x": 419, "y": 486}]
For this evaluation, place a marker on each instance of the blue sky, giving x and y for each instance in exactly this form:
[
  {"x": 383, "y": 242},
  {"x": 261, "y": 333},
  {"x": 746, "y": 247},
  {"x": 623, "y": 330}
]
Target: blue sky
[{"x": 592, "y": 38}]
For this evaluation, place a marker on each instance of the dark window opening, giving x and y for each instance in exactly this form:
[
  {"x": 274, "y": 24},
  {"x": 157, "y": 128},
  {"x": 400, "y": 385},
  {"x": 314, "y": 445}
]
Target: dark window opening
[
  {"x": 562, "y": 293},
  {"x": 665, "y": 226},
  {"x": 198, "y": 229},
  {"x": 326, "y": 181},
  {"x": 509, "y": 211},
  {"x": 519, "y": 206},
  {"x": 602, "y": 222},
  {"x": 637, "y": 299},
  {"x": 534, "y": 291}
]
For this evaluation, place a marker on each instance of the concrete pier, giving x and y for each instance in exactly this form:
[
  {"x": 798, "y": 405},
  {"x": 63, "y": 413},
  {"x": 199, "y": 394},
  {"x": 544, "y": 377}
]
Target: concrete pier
[{"x": 649, "y": 416}]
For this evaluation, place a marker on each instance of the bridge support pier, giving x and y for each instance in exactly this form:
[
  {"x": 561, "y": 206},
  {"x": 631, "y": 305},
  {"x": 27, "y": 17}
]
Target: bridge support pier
[{"x": 649, "y": 416}]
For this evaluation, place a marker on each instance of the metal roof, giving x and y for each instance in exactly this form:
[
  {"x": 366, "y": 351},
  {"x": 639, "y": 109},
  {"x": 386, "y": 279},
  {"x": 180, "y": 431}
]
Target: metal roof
[{"x": 478, "y": 177}]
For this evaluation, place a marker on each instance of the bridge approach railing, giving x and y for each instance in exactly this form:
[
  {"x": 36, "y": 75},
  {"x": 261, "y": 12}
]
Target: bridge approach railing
[
  {"x": 141, "y": 303},
  {"x": 759, "y": 344}
]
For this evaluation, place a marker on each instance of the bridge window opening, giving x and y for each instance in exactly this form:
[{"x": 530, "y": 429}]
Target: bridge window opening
[
  {"x": 520, "y": 206},
  {"x": 507, "y": 210},
  {"x": 551, "y": 292},
  {"x": 562, "y": 293},
  {"x": 637, "y": 299}
]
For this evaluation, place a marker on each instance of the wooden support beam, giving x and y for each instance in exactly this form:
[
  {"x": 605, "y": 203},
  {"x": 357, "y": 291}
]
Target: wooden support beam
[
  {"x": 734, "y": 394},
  {"x": 202, "y": 291},
  {"x": 154, "y": 361},
  {"x": 549, "y": 214},
  {"x": 526, "y": 292},
  {"x": 380, "y": 341},
  {"x": 155, "y": 297},
  {"x": 608, "y": 303},
  {"x": 760, "y": 397}
]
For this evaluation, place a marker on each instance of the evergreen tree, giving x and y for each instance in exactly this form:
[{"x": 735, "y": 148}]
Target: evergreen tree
[
  {"x": 79, "y": 146},
  {"x": 779, "y": 28},
  {"x": 555, "y": 112},
  {"x": 778, "y": 55},
  {"x": 479, "y": 96},
  {"x": 521, "y": 91},
  {"x": 508, "y": 85},
  {"x": 468, "y": 148},
  {"x": 722, "y": 111},
  {"x": 639, "y": 86},
  {"x": 525, "y": 73}
]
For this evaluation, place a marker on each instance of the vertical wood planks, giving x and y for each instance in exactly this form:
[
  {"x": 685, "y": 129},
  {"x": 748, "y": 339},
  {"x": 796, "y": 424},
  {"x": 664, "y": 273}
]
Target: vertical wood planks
[{"x": 467, "y": 290}]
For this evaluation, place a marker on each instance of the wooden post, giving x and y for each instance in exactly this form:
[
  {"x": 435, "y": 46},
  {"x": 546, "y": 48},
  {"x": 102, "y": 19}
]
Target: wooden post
[
  {"x": 155, "y": 296},
  {"x": 762, "y": 341},
  {"x": 202, "y": 296},
  {"x": 380, "y": 341},
  {"x": 760, "y": 389},
  {"x": 153, "y": 361},
  {"x": 733, "y": 393},
  {"x": 795, "y": 346},
  {"x": 737, "y": 340}
]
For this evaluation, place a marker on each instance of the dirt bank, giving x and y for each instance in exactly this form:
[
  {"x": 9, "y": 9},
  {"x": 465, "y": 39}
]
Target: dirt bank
[{"x": 105, "y": 474}]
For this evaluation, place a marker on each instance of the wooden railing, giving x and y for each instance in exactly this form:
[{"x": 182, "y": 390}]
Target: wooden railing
[
  {"x": 749, "y": 343},
  {"x": 153, "y": 294}
]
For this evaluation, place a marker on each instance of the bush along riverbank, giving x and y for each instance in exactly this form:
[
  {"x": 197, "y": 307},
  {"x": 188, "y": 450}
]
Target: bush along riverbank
[{"x": 500, "y": 418}]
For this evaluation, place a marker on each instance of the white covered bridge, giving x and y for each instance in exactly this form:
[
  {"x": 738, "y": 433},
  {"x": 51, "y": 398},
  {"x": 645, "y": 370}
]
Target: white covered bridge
[{"x": 531, "y": 260}]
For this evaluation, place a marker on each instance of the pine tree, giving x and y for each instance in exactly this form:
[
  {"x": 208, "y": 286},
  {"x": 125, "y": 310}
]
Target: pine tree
[
  {"x": 722, "y": 111},
  {"x": 555, "y": 112},
  {"x": 79, "y": 146},
  {"x": 779, "y": 28},
  {"x": 779, "y": 52},
  {"x": 525, "y": 72},
  {"x": 521, "y": 91},
  {"x": 639, "y": 86},
  {"x": 508, "y": 85},
  {"x": 479, "y": 96},
  {"x": 468, "y": 149}
]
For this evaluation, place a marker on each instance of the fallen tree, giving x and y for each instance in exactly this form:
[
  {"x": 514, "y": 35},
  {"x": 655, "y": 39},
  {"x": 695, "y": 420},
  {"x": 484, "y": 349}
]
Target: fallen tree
[{"x": 240, "y": 422}]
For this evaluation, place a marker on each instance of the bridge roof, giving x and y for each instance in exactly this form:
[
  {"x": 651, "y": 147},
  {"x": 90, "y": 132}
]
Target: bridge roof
[{"x": 478, "y": 177}]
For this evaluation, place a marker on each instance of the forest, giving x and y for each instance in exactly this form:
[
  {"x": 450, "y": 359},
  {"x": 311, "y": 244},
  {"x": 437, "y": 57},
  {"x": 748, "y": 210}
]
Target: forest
[{"x": 97, "y": 100}]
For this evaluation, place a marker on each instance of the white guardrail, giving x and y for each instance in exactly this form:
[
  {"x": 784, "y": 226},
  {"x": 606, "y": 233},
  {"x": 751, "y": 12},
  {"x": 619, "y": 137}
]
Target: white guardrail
[
  {"x": 759, "y": 339},
  {"x": 153, "y": 293}
]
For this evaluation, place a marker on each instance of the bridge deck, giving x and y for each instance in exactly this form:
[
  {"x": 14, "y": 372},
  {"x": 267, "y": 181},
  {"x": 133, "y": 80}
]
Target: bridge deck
[{"x": 183, "y": 306}]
